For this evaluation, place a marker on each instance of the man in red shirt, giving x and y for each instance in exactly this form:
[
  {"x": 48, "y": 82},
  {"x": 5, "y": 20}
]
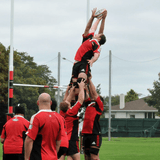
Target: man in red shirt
[
  {"x": 72, "y": 120},
  {"x": 89, "y": 51},
  {"x": 44, "y": 132},
  {"x": 64, "y": 138},
  {"x": 13, "y": 135},
  {"x": 91, "y": 128}
]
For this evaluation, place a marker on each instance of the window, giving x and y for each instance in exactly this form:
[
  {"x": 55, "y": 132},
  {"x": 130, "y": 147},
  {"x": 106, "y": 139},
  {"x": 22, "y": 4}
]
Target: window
[
  {"x": 113, "y": 116},
  {"x": 146, "y": 115},
  {"x": 153, "y": 115},
  {"x": 149, "y": 115},
  {"x": 132, "y": 116}
]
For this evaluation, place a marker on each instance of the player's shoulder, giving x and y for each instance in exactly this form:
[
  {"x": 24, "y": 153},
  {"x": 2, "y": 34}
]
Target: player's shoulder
[
  {"x": 37, "y": 115},
  {"x": 23, "y": 119},
  {"x": 9, "y": 121},
  {"x": 57, "y": 115},
  {"x": 95, "y": 41},
  {"x": 87, "y": 36}
]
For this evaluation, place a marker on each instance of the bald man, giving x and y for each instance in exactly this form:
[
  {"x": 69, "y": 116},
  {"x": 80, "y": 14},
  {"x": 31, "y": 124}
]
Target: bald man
[{"x": 44, "y": 133}]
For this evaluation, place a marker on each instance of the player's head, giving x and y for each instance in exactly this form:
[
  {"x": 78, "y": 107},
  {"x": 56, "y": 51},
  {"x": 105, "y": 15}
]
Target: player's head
[
  {"x": 19, "y": 110},
  {"x": 44, "y": 101},
  {"x": 64, "y": 106},
  {"x": 101, "y": 38},
  {"x": 53, "y": 105}
]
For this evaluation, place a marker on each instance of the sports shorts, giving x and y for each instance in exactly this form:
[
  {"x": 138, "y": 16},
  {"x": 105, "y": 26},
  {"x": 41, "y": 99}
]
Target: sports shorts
[
  {"x": 62, "y": 151},
  {"x": 80, "y": 67},
  {"x": 13, "y": 156},
  {"x": 73, "y": 148},
  {"x": 90, "y": 141}
]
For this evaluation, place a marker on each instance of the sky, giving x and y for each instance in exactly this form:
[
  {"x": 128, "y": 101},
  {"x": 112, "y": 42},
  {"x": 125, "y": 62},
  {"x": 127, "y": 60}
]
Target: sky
[{"x": 44, "y": 28}]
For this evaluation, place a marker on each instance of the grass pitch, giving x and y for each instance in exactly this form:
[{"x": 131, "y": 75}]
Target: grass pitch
[
  {"x": 129, "y": 149},
  {"x": 126, "y": 149}
]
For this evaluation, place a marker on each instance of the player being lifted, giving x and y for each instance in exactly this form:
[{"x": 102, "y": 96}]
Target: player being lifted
[{"x": 89, "y": 51}]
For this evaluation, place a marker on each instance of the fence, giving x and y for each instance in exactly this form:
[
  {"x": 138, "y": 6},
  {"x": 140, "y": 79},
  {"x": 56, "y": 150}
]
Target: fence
[{"x": 131, "y": 127}]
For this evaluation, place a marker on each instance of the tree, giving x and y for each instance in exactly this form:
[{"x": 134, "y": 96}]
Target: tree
[
  {"x": 131, "y": 96},
  {"x": 114, "y": 101},
  {"x": 98, "y": 89},
  {"x": 26, "y": 71},
  {"x": 154, "y": 99},
  {"x": 3, "y": 74},
  {"x": 3, "y": 84}
]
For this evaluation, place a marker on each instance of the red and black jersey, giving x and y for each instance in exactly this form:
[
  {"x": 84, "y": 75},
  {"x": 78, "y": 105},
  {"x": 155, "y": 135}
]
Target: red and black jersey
[
  {"x": 87, "y": 48},
  {"x": 14, "y": 134},
  {"x": 72, "y": 121},
  {"x": 45, "y": 130},
  {"x": 91, "y": 119},
  {"x": 64, "y": 137}
]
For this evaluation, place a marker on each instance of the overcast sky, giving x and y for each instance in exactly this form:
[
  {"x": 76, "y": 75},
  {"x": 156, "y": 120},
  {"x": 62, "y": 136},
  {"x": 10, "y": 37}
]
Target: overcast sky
[{"x": 45, "y": 27}]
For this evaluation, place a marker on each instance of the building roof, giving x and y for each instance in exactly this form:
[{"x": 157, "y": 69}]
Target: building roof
[{"x": 137, "y": 105}]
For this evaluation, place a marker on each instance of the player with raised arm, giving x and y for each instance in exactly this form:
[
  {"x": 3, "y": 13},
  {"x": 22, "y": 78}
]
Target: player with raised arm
[
  {"x": 89, "y": 50},
  {"x": 70, "y": 114},
  {"x": 91, "y": 130}
]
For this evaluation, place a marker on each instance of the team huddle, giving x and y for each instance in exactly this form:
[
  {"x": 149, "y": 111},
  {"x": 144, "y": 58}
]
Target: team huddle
[{"x": 50, "y": 135}]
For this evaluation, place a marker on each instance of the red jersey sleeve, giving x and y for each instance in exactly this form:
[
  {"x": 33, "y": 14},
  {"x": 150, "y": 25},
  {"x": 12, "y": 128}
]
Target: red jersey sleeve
[
  {"x": 87, "y": 101},
  {"x": 60, "y": 120},
  {"x": 74, "y": 110},
  {"x": 100, "y": 104},
  {"x": 33, "y": 128},
  {"x": 59, "y": 135}
]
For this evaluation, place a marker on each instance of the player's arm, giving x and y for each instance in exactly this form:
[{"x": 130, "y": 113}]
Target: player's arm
[
  {"x": 87, "y": 97},
  {"x": 93, "y": 93},
  {"x": 95, "y": 57},
  {"x": 58, "y": 145},
  {"x": 101, "y": 29},
  {"x": 81, "y": 91},
  {"x": 95, "y": 25},
  {"x": 66, "y": 93},
  {"x": 28, "y": 144},
  {"x": 3, "y": 135},
  {"x": 89, "y": 24},
  {"x": 87, "y": 92},
  {"x": 2, "y": 140},
  {"x": 71, "y": 94}
]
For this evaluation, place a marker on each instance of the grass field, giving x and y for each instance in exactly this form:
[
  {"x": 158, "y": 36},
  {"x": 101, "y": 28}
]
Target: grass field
[{"x": 126, "y": 149}]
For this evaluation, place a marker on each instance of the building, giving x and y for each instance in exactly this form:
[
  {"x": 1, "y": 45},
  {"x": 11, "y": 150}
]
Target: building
[{"x": 133, "y": 109}]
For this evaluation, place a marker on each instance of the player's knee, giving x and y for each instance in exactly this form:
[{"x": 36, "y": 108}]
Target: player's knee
[
  {"x": 86, "y": 152},
  {"x": 94, "y": 151},
  {"x": 82, "y": 75},
  {"x": 74, "y": 80}
]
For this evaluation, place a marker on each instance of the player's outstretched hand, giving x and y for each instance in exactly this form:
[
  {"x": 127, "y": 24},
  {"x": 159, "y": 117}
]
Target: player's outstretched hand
[
  {"x": 104, "y": 14},
  {"x": 81, "y": 84},
  {"x": 93, "y": 12}
]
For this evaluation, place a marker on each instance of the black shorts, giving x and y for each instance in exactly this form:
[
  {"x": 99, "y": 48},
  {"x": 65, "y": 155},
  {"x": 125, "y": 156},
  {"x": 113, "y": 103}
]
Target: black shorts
[
  {"x": 73, "y": 148},
  {"x": 80, "y": 67},
  {"x": 13, "y": 156},
  {"x": 90, "y": 140},
  {"x": 62, "y": 151}
]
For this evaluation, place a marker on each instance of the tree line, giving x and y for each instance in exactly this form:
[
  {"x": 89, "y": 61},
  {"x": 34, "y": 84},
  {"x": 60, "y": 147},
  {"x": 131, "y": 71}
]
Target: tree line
[{"x": 26, "y": 71}]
